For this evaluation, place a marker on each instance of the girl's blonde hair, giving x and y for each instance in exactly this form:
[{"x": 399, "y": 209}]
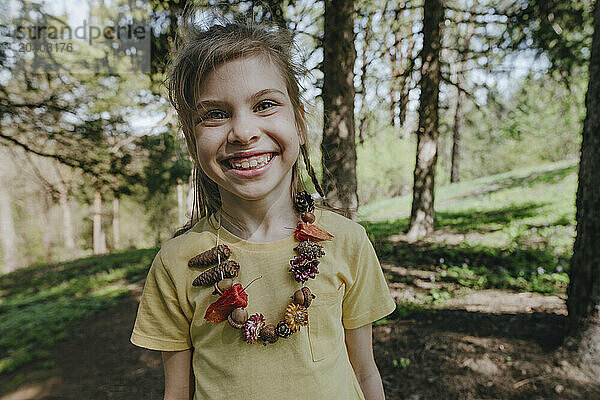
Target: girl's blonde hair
[{"x": 198, "y": 51}]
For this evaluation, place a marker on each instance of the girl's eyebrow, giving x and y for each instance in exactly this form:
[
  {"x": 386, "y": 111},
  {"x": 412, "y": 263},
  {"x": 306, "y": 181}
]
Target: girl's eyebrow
[
  {"x": 261, "y": 93},
  {"x": 203, "y": 104}
]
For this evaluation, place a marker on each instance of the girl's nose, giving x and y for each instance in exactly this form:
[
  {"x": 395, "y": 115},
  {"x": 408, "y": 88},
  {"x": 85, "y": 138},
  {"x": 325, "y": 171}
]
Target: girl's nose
[{"x": 243, "y": 130}]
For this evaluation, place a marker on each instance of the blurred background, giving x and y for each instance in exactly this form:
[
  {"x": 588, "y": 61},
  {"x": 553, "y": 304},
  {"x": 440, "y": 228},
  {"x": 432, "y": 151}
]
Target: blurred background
[{"x": 462, "y": 163}]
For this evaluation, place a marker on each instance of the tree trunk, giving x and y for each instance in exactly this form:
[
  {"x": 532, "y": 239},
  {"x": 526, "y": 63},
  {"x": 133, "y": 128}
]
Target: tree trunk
[
  {"x": 423, "y": 213},
  {"x": 458, "y": 118},
  {"x": 396, "y": 60},
  {"x": 99, "y": 238},
  {"x": 405, "y": 87},
  {"x": 459, "y": 113},
  {"x": 180, "y": 203},
  {"x": 67, "y": 221},
  {"x": 362, "y": 125},
  {"x": 115, "y": 224},
  {"x": 584, "y": 287},
  {"x": 46, "y": 227},
  {"x": 338, "y": 148},
  {"x": 7, "y": 230}
]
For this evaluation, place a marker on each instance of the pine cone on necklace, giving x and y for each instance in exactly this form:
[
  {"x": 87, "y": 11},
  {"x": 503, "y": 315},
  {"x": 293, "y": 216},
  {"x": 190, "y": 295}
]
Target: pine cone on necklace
[
  {"x": 308, "y": 250},
  {"x": 304, "y": 270},
  {"x": 228, "y": 269},
  {"x": 283, "y": 330},
  {"x": 303, "y": 202},
  {"x": 210, "y": 256}
]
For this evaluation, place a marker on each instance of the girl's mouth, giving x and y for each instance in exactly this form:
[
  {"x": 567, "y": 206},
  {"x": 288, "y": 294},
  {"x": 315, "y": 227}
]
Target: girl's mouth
[{"x": 250, "y": 166}]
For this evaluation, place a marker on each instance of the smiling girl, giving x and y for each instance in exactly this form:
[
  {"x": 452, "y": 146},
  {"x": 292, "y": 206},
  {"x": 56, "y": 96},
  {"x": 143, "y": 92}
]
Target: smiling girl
[{"x": 263, "y": 295}]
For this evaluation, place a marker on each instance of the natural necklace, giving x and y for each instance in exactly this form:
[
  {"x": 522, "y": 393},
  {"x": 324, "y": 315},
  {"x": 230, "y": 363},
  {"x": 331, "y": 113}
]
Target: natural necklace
[{"x": 233, "y": 299}]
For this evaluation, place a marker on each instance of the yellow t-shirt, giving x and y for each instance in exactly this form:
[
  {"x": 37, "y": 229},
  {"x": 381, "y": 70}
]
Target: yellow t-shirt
[{"x": 350, "y": 291}]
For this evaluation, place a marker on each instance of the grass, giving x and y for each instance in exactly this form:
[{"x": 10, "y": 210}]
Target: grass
[
  {"x": 515, "y": 231},
  {"x": 38, "y": 304}
]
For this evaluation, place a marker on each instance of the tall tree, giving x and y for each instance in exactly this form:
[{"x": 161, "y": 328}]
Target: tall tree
[
  {"x": 584, "y": 287},
  {"x": 422, "y": 212},
  {"x": 460, "y": 98},
  {"x": 338, "y": 148},
  {"x": 8, "y": 233}
]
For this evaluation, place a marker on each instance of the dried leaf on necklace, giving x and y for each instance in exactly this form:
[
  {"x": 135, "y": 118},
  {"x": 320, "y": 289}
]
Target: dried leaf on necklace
[
  {"x": 306, "y": 231},
  {"x": 231, "y": 299}
]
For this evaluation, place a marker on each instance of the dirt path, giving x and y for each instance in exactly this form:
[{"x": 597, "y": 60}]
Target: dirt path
[
  {"x": 446, "y": 354},
  {"x": 97, "y": 362}
]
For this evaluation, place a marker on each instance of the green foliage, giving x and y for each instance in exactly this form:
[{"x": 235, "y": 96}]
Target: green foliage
[
  {"x": 561, "y": 29},
  {"x": 166, "y": 165},
  {"x": 39, "y": 303},
  {"x": 384, "y": 166},
  {"x": 402, "y": 363},
  {"x": 539, "y": 122},
  {"x": 516, "y": 230}
]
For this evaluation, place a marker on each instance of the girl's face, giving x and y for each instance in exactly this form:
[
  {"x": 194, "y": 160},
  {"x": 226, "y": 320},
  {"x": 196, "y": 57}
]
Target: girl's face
[{"x": 246, "y": 136}]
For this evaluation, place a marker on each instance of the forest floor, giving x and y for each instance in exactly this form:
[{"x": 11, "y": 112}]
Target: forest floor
[
  {"x": 481, "y": 304},
  {"x": 489, "y": 344}
]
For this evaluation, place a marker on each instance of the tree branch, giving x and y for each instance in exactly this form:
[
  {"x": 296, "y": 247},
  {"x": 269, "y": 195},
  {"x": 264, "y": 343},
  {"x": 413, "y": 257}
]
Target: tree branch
[{"x": 57, "y": 157}]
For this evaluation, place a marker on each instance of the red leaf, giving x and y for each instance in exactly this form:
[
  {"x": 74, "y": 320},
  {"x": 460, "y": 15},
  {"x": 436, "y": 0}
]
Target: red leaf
[
  {"x": 231, "y": 299},
  {"x": 306, "y": 231}
]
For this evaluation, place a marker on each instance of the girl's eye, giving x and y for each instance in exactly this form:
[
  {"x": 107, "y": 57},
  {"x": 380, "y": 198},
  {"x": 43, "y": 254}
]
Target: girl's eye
[
  {"x": 264, "y": 105},
  {"x": 212, "y": 115}
]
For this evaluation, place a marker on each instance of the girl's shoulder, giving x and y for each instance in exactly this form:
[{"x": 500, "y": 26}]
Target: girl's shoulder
[
  {"x": 344, "y": 229},
  {"x": 187, "y": 245}
]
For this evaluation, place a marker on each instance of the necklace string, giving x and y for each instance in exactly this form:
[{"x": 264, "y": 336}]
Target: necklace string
[{"x": 218, "y": 237}]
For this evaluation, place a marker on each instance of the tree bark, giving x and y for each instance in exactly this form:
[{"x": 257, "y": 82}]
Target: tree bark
[
  {"x": 99, "y": 238},
  {"x": 396, "y": 61},
  {"x": 362, "y": 125},
  {"x": 422, "y": 213},
  {"x": 115, "y": 225},
  {"x": 584, "y": 287},
  {"x": 405, "y": 87},
  {"x": 458, "y": 121},
  {"x": 7, "y": 231},
  {"x": 338, "y": 147}
]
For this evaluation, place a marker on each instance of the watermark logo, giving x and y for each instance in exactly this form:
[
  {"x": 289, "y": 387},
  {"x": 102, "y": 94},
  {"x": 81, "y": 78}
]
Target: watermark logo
[{"x": 75, "y": 36}]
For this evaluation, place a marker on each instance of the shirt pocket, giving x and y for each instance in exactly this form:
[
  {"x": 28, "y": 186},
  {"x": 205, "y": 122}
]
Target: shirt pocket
[{"x": 325, "y": 329}]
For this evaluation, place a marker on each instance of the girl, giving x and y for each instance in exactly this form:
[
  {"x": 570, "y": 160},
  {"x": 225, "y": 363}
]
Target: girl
[{"x": 317, "y": 286}]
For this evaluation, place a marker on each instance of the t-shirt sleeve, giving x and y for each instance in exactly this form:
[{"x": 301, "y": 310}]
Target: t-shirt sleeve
[
  {"x": 161, "y": 323},
  {"x": 368, "y": 297}
]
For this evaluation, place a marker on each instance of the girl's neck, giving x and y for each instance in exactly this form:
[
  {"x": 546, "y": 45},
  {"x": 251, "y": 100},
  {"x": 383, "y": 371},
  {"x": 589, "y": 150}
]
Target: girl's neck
[{"x": 260, "y": 221}]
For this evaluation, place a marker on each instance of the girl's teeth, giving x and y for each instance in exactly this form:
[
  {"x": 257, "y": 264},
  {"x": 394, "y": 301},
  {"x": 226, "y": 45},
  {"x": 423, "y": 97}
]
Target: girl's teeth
[{"x": 253, "y": 163}]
